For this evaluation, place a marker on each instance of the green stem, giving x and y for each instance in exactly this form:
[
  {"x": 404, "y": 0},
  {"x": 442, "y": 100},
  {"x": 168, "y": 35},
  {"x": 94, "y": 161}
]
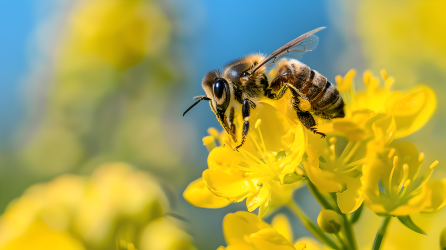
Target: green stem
[
  {"x": 349, "y": 232},
  {"x": 348, "y": 229},
  {"x": 355, "y": 217},
  {"x": 381, "y": 233},
  {"x": 310, "y": 226},
  {"x": 319, "y": 196},
  {"x": 339, "y": 238}
]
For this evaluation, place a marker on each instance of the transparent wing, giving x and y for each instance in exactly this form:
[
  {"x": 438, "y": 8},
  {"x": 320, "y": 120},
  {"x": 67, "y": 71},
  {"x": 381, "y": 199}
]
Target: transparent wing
[
  {"x": 295, "y": 48},
  {"x": 308, "y": 44}
]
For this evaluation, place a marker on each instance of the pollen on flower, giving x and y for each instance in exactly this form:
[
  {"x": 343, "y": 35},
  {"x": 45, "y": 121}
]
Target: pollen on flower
[
  {"x": 405, "y": 175},
  {"x": 407, "y": 183},
  {"x": 395, "y": 160},
  {"x": 332, "y": 140},
  {"x": 421, "y": 157},
  {"x": 405, "y": 168},
  {"x": 433, "y": 165},
  {"x": 258, "y": 122},
  {"x": 391, "y": 153}
]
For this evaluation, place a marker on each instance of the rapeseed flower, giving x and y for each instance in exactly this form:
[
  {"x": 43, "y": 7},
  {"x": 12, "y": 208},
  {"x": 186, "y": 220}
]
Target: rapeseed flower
[
  {"x": 393, "y": 184},
  {"x": 262, "y": 163},
  {"x": 119, "y": 33},
  {"x": 376, "y": 113},
  {"x": 411, "y": 110},
  {"x": 245, "y": 231}
]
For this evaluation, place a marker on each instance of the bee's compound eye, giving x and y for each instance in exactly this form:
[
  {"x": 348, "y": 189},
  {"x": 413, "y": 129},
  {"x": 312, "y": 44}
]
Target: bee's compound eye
[{"x": 219, "y": 88}]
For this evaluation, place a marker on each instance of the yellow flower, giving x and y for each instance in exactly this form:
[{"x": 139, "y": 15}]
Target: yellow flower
[
  {"x": 335, "y": 165},
  {"x": 118, "y": 32},
  {"x": 199, "y": 195},
  {"x": 392, "y": 185},
  {"x": 255, "y": 171},
  {"x": 116, "y": 203},
  {"x": 378, "y": 114},
  {"x": 245, "y": 231},
  {"x": 411, "y": 110}
]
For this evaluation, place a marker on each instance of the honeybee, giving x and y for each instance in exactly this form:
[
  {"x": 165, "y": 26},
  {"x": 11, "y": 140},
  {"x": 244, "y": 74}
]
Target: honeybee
[{"x": 244, "y": 83}]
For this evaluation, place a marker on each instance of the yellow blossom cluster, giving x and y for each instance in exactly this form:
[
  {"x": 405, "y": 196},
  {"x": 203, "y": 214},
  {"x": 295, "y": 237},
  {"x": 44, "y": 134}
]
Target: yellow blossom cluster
[
  {"x": 116, "y": 208},
  {"x": 114, "y": 32},
  {"x": 357, "y": 163}
]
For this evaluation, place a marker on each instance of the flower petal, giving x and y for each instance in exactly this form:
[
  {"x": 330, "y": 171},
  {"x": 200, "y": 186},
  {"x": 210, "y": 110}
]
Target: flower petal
[
  {"x": 269, "y": 238},
  {"x": 412, "y": 110},
  {"x": 237, "y": 226},
  {"x": 234, "y": 188},
  {"x": 199, "y": 195},
  {"x": 281, "y": 224},
  {"x": 262, "y": 196},
  {"x": 414, "y": 205},
  {"x": 324, "y": 180},
  {"x": 351, "y": 199},
  {"x": 240, "y": 247},
  {"x": 222, "y": 158},
  {"x": 437, "y": 195},
  {"x": 384, "y": 128},
  {"x": 282, "y": 193},
  {"x": 311, "y": 243}
]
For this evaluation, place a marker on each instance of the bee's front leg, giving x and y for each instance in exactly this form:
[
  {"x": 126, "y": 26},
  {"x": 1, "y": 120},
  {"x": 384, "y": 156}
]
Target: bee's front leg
[{"x": 246, "y": 110}]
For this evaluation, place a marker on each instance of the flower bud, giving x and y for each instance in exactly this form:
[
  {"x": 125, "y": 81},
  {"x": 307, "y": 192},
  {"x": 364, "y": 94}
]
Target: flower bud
[
  {"x": 443, "y": 239},
  {"x": 329, "y": 221}
]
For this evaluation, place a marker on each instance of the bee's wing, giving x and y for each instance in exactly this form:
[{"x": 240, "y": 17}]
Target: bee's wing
[{"x": 298, "y": 46}]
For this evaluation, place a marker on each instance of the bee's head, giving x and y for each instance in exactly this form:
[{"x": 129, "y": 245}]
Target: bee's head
[
  {"x": 218, "y": 90},
  {"x": 220, "y": 87}
]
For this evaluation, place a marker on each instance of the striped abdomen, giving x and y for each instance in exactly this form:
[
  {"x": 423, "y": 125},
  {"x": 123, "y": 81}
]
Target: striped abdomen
[{"x": 323, "y": 96}]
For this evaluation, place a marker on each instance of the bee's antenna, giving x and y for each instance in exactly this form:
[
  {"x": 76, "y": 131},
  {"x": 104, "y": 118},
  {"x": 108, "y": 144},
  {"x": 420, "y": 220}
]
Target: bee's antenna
[{"x": 200, "y": 98}]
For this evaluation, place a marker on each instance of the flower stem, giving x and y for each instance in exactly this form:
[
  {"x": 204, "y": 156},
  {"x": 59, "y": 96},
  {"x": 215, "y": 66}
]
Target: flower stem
[
  {"x": 310, "y": 226},
  {"x": 381, "y": 233},
  {"x": 349, "y": 232},
  {"x": 348, "y": 229},
  {"x": 355, "y": 217},
  {"x": 319, "y": 196}
]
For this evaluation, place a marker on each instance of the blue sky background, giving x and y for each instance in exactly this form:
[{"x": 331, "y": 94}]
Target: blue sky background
[{"x": 18, "y": 20}]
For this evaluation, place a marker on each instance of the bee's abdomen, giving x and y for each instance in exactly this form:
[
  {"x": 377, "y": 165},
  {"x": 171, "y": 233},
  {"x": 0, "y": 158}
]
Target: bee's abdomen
[
  {"x": 329, "y": 102},
  {"x": 323, "y": 96}
]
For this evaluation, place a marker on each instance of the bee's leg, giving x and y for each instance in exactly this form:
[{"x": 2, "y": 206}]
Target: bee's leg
[
  {"x": 306, "y": 118},
  {"x": 246, "y": 110},
  {"x": 308, "y": 121}
]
